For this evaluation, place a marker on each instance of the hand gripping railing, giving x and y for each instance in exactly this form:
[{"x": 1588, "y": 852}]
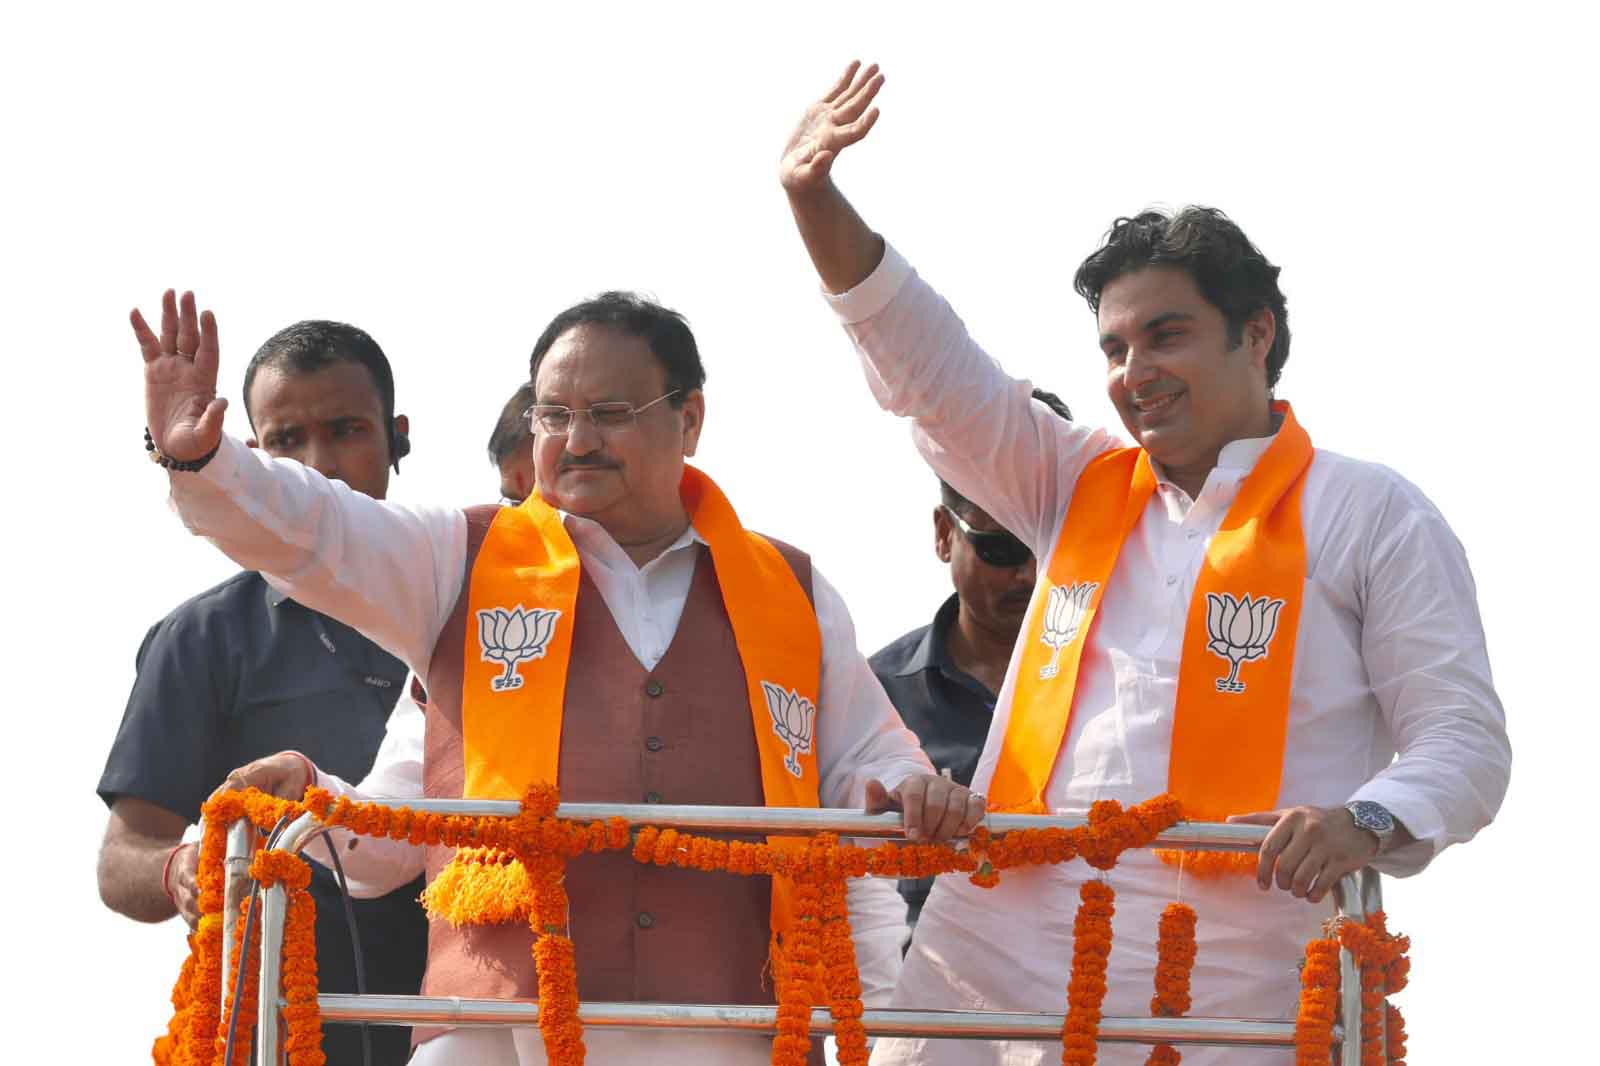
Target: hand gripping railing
[{"x": 1356, "y": 896}]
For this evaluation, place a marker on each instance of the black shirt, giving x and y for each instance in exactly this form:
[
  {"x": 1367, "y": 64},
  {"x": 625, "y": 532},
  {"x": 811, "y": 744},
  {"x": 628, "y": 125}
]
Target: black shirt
[
  {"x": 948, "y": 709},
  {"x": 240, "y": 672}
]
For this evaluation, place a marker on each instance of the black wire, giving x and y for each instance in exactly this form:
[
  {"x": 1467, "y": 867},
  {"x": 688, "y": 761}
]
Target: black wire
[
  {"x": 355, "y": 944},
  {"x": 238, "y": 984}
]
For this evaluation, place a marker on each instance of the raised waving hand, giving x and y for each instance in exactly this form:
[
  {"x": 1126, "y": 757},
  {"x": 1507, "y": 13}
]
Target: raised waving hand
[
  {"x": 842, "y": 247},
  {"x": 832, "y": 124},
  {"x": 182, "y": 409}
]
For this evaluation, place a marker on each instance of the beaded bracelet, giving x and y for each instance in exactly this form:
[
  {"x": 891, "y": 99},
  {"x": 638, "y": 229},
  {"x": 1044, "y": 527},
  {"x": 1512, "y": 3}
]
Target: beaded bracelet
[{"x": 186, "y": 466}]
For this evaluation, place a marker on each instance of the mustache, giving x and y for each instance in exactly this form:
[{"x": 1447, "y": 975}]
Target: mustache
[{"x": 586, "y": 462}]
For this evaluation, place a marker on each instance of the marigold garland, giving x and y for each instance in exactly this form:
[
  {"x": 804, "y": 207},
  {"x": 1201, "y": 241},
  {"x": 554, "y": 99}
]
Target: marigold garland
[
  {"x": 841, "y": 978},
  {"x": 1381, "y": 957},
  {"x": 512, "y": 869},
  {"x": 246, "y": 959},
  {"x": 1086, "y": 990},
  {"x": 795, "y": 964},
  {"x": 1175, "y": 955},
  {"x": 303, "y": 1022},
  {"x": 1319, "y": 1003}
]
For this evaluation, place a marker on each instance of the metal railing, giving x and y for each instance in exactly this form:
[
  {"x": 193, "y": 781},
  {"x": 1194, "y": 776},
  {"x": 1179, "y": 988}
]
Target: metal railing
[{"x": 1356, "y": 896}]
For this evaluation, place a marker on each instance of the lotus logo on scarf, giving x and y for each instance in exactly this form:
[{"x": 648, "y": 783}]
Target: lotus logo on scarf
[
  {"x": 513, "y": 637},
  {"x": 794, "y": 720},
  {"x": 1063, "y": 614},
  {"x": 1240, "y": 631}
]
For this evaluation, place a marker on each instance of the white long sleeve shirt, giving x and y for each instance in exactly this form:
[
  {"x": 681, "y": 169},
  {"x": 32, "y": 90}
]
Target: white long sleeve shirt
[{"x": 1391, "y": 701}]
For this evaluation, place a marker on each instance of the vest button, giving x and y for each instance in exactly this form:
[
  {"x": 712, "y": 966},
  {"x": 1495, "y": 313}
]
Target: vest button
[
  {"x": 654, "y": 688},
  {"x": 653, "y": 743},
  {"x": 646, "y": 919},
  {"x": 649, "y": 797}
]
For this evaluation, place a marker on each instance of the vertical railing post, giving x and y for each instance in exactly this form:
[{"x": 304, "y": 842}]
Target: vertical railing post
[
  {"x": 1372, "y": 903},
  {"x": 235, "y": 887},
  {"x": 1356, "y": 895},
  {"x": 274, "y": 907}
]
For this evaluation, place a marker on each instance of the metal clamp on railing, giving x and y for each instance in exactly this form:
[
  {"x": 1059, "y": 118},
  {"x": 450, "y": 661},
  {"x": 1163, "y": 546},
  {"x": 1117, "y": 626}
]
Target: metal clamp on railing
[{"x": 1356, "y": 896}]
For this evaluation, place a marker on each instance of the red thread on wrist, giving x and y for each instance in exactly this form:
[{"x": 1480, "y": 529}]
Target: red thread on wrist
[{"x": 166, "y": 869}]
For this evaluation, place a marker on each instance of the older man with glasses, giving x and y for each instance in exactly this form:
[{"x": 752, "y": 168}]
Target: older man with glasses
[
  {"x": 943, "y": 677},
  {"x": 619, "y": 632}
]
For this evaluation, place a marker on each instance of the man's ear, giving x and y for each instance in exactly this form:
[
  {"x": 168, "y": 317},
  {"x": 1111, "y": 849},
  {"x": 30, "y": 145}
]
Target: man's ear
[
  {"x": 1260, "y": 330},
  {"x": 943, "y": 529},
  {"x": 402, "y": 440},
  {"x": 694, "y": 420}
]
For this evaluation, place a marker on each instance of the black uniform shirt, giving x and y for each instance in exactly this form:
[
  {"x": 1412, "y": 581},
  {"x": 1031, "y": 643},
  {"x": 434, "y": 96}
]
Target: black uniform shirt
[{"x": 240, "y": 672}]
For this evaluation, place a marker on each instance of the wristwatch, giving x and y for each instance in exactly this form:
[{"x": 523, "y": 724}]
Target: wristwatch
[{"x": 1375, "y": 819}]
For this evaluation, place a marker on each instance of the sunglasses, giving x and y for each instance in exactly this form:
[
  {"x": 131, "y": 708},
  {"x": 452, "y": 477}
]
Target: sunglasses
[{"x": 997, "y": 548}]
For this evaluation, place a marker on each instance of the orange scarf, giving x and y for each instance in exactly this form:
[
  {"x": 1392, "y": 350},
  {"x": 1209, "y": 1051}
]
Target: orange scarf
[
  {"x": 1234, "y": 677},
  {"x": 520, "y": 601}
]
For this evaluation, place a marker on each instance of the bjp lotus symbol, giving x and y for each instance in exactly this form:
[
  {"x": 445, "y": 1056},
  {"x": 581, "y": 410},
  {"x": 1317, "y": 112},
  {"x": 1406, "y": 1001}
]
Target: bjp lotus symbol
[
  {"x": 1063, "y": 614},
  {"x": 513, "y": 637},
  {"x": 1240, "y": 631},
  {"x": 794, "y": 720}
]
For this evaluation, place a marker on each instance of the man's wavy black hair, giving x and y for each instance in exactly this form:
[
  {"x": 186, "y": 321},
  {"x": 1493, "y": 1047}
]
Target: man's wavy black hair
[{"x": 1230, "y": 272}]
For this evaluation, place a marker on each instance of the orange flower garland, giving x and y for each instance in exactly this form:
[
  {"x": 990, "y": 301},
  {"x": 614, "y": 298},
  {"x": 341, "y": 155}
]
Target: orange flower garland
[
  {"x": 556, "y": 958},
  {"x": 513, "y": 869},
  {"x": 1086, "y": 991},
  {"x": 796, "y": 966},
  {"x": 841, "y": 978},
  {"x": 245, "y": 961},
  {"x": 1175, "y": 955},
  {"x": 1384, "y": 966},
  {"x": 302, "y": 1020},
  {"x": 1319, "y": 1003}
]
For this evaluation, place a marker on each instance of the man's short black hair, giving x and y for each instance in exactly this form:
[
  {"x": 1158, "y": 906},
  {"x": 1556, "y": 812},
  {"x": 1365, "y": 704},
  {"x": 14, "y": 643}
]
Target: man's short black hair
[
  {"x": 1230, "y": 272},
  {"x": 666, "y": 331},
  {"x": 307, "y": 347},
  {"x": 965, "y": 507},
  {"x": 513, "y": 431}
]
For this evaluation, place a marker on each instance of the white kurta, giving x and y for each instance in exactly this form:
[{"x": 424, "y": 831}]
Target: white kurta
[
  {"x": 1390, "y": 659},
  {"x": 394, "y": 572}
]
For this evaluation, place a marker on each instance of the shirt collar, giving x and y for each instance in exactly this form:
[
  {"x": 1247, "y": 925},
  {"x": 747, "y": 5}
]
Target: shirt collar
[
  {"x": 276, "y": 597},
  {"x": 932, "y": 651},
  {"x": 1237, "y": 457},
  {"x": 597, "y": 546}
]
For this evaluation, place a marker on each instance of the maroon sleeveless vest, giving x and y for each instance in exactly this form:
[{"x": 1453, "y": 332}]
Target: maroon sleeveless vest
[{"x": 681, "y": 733}]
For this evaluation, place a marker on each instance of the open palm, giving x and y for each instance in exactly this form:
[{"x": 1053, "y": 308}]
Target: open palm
[
  {"x": 182, "y": 408},
  {"x": 838, "y": 120}
]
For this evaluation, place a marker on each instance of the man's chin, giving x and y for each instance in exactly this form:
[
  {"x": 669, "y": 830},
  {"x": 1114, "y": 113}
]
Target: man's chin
[{"x": 586, "y": 501}]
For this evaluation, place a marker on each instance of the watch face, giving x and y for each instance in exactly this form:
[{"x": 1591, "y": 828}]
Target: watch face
[{"x": 1373, "y": 816}]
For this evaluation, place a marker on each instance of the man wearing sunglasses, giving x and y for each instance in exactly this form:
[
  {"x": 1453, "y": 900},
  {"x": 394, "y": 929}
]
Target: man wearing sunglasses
[
  {"x": 943, "y": 677},
  {"x": 620, "y": 634}
]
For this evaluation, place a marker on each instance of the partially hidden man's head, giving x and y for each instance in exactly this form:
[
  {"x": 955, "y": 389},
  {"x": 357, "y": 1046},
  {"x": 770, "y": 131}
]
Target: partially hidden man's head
[
  {"x": 323, "y": 393},
  {"x": 993, "y": 572},
  {"x": 635, "y": 367},
  {"x": 511, "y": 446},
  {"x": 1194, "y": 329}
]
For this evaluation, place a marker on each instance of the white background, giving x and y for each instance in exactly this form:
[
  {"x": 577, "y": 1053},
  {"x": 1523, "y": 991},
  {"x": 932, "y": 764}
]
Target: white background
[{"x": 450, "y": 176}]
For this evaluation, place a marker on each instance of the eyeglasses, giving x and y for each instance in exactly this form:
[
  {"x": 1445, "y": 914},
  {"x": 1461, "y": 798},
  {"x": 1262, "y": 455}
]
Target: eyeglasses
[
  {"x": 557, "y": 420},
  {"x": 995, "y": 547}
]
